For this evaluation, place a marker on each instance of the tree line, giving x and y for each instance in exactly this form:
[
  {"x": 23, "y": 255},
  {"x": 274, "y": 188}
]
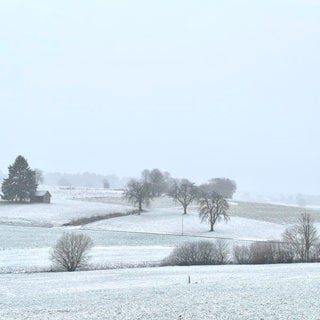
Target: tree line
[{"x": 210, "y": 196}]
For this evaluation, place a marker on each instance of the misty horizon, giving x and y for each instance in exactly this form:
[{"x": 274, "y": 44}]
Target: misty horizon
[{"x": 200, "y": 90}]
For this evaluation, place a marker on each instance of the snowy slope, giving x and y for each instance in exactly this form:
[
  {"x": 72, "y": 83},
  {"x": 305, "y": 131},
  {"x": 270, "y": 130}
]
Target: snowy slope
[
  {"x": 37, "y": 259},
  {"x": 148, "y": 237},
  {"x": 67, "y": 204},
  {"x": 171, "y": 220},
  {"x": 217, "y": 292}
]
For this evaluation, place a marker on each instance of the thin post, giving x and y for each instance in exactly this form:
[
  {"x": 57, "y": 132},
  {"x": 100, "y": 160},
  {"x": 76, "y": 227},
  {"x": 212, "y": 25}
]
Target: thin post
[{"x": 182, "y": 225}]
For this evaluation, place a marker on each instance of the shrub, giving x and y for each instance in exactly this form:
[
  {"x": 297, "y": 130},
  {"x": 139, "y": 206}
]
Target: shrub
[
  {"x": 315, "y": 253},
  {"x": 303, "y": 238},
  {"x": 241, "y": 254},
  {"x": 199, "y": 253},
  {"x": 263, "y": 253},
  {"x": 71, "y": 251}
]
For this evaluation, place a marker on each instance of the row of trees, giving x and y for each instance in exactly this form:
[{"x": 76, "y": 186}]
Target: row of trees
[
  {"x": 163, "y": 183},
  {"x": 155, "y": 183},
  {"x": 210, "y": 196}
]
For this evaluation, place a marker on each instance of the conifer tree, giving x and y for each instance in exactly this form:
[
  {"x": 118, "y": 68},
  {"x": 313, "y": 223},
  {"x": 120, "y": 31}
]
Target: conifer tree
[{"x": 21, "y": 183}]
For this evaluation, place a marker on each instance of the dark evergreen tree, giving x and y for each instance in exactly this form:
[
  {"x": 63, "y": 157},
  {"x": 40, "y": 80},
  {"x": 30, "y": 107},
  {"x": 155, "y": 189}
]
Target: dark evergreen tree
[{"x": 21, "y": 182}]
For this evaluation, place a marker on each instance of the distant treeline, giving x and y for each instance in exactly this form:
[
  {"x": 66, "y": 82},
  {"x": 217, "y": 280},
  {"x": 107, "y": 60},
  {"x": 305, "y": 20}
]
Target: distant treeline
[
  {"x": 291, "y": 199},
  {"x": 84, "y": 180}
]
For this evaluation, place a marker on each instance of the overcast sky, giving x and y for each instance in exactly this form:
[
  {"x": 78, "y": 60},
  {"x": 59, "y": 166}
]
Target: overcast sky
[{"x": 200, "y": 88}]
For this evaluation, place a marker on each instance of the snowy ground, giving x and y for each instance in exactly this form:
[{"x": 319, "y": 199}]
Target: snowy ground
[
  {"x": 27, "y": 232},
  {"x": 146, "y": 238},
  {"x": 37, "y": 259},
  {"x": 170, "y": 220},
  {"x": 126, "y": 240},
  {"x": 67, "y": 204},
  {"x": 216, "y": 292}
]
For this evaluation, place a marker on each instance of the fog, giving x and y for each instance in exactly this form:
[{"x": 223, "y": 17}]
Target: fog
[{"x": 200, "y": 89}]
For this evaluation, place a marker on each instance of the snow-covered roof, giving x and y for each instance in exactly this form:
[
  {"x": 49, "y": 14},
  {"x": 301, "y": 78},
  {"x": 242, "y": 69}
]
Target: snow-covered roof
[{"x": 41, "y": 193}]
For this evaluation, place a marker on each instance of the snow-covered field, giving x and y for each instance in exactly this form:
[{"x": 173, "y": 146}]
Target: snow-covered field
[
  {"x": 66, "y": 205},
  {"x": 28, "y": 232},
  {"x": 215, "y": 292},
  {"x": 37, "y": 259},
  {"x": 171, "y": 220}
]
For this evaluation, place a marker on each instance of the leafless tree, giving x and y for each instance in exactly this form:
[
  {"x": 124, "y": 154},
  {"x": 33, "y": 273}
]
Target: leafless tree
[
  {"x": 138, "y": 193},
  {"x": 302, "y": 237},
  {"x": 184, "y": 192},
  {"x": 213, "y": 207},
  {"x": 71, "y": 251}
]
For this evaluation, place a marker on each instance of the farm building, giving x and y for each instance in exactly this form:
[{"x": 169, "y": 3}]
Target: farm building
[{"x": 41, "y": 197}]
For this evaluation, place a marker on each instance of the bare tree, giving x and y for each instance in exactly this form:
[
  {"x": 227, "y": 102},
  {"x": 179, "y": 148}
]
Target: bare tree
[
  {"x": 213, "y": 207},
  {"x": 184, "y": 192},
  {"x": 138, "y": 193},
  {"x": 71, "y": 251},
  {"x": 302, "y": 237}
]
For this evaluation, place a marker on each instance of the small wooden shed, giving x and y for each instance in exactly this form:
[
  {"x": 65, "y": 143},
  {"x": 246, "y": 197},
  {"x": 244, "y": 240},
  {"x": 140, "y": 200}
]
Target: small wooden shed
[{"x": 41, "y": 197}]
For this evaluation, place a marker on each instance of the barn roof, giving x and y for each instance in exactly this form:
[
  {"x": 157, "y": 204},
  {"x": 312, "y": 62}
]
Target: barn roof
[{"x": 42, "y": 193}]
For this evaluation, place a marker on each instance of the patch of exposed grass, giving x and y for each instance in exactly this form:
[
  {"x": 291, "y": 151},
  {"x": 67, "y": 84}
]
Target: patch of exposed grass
[
  {"x": 86, "y": 220},
  {"x": 271, "y": 212}
]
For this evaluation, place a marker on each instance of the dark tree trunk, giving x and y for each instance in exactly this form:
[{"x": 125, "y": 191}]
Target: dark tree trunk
[
  {"x": 184, "y": 209},
  {"x": 140, "y": 208}
]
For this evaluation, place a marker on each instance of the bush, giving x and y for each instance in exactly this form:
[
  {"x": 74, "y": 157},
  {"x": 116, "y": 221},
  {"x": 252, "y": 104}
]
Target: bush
[
  {"x": 199, "y": 253},
  {"x": 241, "y": 254},
  {"x": 71, "y": 251},
  {"x": 263, "y": 253},
  {"x": 315, "y": 253},
  {"x": 303, "y": 238}
]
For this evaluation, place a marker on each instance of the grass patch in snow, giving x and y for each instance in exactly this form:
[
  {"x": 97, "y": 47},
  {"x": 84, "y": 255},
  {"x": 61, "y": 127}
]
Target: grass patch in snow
[
  {"x": 86, "y": 220},
  {"x": 281, "y": 214}
]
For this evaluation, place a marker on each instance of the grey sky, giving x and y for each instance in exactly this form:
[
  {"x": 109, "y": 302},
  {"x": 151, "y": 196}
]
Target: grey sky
[{"x": 198, "y": 88}]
